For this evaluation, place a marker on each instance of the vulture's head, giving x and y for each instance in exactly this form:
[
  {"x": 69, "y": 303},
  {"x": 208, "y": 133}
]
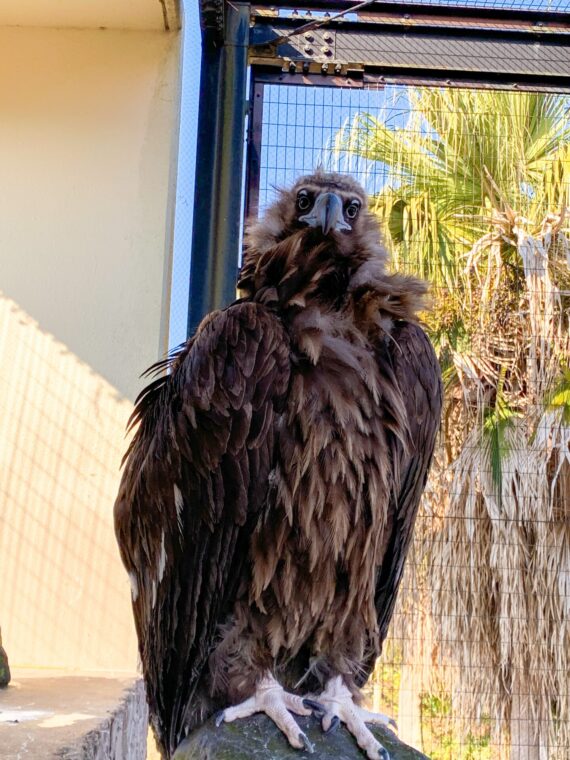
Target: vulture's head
[
  {"x": 329, "y": 203},
  {"x": 322, "y": 223},
  {"x": 328, "y": 206}
]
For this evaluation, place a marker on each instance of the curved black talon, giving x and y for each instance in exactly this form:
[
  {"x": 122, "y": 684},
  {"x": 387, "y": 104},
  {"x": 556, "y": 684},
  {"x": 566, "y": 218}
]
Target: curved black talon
[
  {"x": 219, "y": 718},
  {"x": 318, "y": 709},
  {"x": 383, "y": 754},
  {"x": 392, "y": 722},
  {"x": 306, "y": 743},
  {"x": 335, "y": 723}
]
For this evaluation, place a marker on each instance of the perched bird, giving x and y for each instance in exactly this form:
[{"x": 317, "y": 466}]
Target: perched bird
[{"x": 269, "y": 494}]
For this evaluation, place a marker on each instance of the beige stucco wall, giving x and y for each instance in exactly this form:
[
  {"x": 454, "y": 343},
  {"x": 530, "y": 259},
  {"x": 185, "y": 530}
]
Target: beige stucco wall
[
  {"x": 88, "y": 135},
  {"x": 94, "y": 14}
]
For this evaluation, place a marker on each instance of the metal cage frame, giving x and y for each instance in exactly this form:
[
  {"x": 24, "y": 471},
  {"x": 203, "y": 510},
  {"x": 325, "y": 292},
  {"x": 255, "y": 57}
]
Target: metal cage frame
[{"x": 387, "y": 42}]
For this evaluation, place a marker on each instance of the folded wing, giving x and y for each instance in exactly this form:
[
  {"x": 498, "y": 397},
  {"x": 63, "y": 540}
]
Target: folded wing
[
  {"x": 418, "y": 374},
  {"x": 193, "y": 488}
]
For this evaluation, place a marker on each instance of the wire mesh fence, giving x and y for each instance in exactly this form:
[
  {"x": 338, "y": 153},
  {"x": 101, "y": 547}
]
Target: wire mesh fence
[
  {"x": 546, "y": 6},
  {"x": 471, "y": 190}
]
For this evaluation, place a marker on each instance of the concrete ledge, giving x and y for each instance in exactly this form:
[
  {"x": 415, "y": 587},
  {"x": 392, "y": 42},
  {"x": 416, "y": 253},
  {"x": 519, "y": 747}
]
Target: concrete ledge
[{"x": 72, "y": 718}]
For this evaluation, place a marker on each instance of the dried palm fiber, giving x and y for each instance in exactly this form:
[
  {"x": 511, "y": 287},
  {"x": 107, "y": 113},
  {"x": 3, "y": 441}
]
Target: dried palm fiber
[
  {"x": 500, "y": 574},
  {"x": 496, "y": 552}
]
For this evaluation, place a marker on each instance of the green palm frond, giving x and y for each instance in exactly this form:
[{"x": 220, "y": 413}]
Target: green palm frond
[
  {"x": 463, "y": 159},
  {"x": 497, "y": 422},
  {"x": 559, "y": 397}
]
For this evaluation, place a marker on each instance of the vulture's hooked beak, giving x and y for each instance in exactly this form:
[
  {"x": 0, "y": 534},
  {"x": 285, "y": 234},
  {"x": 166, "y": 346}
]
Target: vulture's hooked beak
[{"x": 327, "y": 214}]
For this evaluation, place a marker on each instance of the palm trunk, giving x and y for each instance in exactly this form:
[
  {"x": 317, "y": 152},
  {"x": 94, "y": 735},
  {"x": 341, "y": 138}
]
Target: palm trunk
[
  {"x": 526, "y": 740},
  {"x": 409, "y": 703}
]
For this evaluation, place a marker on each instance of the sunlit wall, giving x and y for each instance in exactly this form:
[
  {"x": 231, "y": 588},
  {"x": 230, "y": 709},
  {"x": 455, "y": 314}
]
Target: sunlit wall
[{"x": 88, "y": 149}]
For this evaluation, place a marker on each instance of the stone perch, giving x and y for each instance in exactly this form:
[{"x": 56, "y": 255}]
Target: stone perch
[
  {"x": 4, "y": 667},
  {"x": 258, "y": 738}
]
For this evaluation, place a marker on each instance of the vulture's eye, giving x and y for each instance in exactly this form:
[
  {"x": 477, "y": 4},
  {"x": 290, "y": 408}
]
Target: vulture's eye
[
  {"x": 352, "y": 209},
  {"x": 303, "y": 201}
]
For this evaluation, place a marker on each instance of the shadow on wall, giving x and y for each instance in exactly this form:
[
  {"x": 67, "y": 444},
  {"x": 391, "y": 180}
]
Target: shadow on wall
[{"x": 64, "y": 595}]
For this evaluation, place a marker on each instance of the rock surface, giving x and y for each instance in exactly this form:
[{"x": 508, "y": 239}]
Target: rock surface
[
  {"x": 258, "y": 738},
  {"x": 4, "y": 667}
]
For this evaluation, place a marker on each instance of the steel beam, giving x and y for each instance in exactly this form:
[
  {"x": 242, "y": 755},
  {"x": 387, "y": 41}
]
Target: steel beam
[
  {"x": 219, "y": 164},
  {"x": 448, "y": 50},
  {"x": 451, "y": 9}
]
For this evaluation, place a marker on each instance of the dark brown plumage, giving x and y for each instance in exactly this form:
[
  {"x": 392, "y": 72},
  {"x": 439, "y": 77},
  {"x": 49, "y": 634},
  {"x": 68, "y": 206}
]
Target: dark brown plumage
[{"x": 270, "y": 492}]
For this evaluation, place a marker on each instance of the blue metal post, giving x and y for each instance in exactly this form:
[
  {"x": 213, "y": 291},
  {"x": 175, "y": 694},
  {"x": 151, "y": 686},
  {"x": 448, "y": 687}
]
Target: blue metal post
[{"x": 219, "y": 164}]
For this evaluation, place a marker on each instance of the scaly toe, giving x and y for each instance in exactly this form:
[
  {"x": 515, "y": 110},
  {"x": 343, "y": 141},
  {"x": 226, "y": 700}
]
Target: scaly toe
[
  {"x": 271, "y": 699},
  {"x": 378, "y": 719},
  {"x": 285, "y": 721},
  {"x": 368, "y": 742},
  {"x": 376, "y": 752},
  {"x": 338, "y": 700}
]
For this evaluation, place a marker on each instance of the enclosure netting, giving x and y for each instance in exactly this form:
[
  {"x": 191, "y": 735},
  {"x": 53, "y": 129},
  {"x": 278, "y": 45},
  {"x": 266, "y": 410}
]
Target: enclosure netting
[
  {"x": 455, "y": 7},
  {"x": 471, "y": 190}
]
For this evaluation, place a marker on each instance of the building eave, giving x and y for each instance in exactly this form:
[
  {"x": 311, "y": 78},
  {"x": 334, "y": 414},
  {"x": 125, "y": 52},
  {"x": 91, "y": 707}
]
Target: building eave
[{"x": 143, "y": 15}]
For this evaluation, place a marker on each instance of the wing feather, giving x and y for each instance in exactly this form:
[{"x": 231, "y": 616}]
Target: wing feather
[
  {"x": 194, "y": 483},
  {"x": 416, "y": 367}
]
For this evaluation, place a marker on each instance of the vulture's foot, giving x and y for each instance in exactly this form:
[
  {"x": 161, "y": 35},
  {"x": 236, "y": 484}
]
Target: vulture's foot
[
  {"x": 272, "y": 699},
  {"x": 340, "y": 708}
]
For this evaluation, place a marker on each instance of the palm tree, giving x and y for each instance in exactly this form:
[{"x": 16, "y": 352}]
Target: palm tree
[{"x": 476, "y": 200}]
